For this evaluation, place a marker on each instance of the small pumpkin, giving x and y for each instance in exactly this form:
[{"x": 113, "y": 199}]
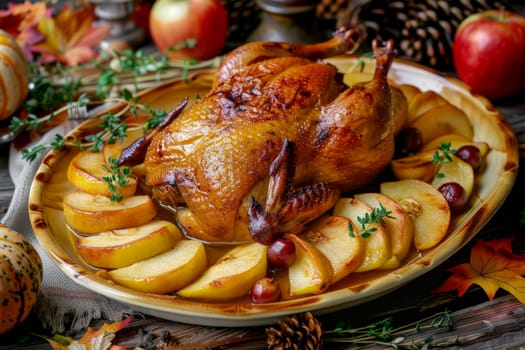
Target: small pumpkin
[
  {"x": 20, "y": 278},
  {"x": 14, "y": 75}
]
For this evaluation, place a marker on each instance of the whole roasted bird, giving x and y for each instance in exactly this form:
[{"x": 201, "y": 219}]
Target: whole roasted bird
[{"x": 274, "y": 143}]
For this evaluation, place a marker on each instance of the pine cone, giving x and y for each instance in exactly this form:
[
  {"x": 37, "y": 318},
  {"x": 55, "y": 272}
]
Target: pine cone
[
  {"x": 423, "y": 30},
  {"x": 296, "y": 332}
]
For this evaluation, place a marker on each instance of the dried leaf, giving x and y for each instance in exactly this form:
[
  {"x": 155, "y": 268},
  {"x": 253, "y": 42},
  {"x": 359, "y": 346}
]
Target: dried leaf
[
  {"x": 70, "y": 37},
  {"x": 492, "y": 265},
  {"x": 99, "y": 339}
]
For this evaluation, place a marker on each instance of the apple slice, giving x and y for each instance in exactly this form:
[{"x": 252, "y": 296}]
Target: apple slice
[
  {"x": 441, "y": 120},
  {"x": 353, "y": 78},
  {"x": 87, "y": 170},
  {"x": 330, "y": 234},
  {"x": 398, "y": 225},
  {"x": 409, "y": 91},
  {"x": 119, "y": 248},
  {"x": 166, "y": 272},
  {"x": 312, "y": 272},
  {"x": 456, "y": 142},
  {"x": 423, "y": 102},
  {"x": 418, "y": 166},
  {"x": 426, "y": 207},
  {"x": 378, "y": 248},
  {"x": 232, "y": 276},
  {"x": 458, "y": 171},
  {"x": 86, "y": 213}
]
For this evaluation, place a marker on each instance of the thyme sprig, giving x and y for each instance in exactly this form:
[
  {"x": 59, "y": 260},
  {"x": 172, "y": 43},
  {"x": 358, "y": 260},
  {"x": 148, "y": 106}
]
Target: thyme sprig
[
  {"x": 384, "y": 333},
  {"x": 442, "y": 155},
  {"x": 118, "y": 178},
  {"x": 112, "y": 126},
  {"x": 376, "y": 216}
]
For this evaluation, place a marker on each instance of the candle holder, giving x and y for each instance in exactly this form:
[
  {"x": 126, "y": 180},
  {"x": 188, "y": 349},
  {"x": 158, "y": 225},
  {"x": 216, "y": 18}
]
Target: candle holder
[
  {"x": 288, "y": 20},
  {"x": 118, "y": 14}
]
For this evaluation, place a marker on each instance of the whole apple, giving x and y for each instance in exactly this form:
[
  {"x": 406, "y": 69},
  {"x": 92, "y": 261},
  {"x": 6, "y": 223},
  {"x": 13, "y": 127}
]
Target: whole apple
[
  {"x": 173, "y": 22},
  {"x": 489, "y": 53}
]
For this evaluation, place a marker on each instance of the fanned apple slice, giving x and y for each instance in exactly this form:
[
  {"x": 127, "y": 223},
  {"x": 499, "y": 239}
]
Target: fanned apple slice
[
  {"x": 119, "y": 248},
  {"x": 331, "y": 235},
  {"x": 456, "y": 170},
  {"x": 426, "y": 207},
  {"x": 86, "y": 213},
  {"x": 312, "y": 272},
  {"x": 456, "y": 142},
  {"x": 441, "y": 120},
  {"x": 232, "y": 276},
  {"x": 87, "y": 170},
  {"x": 378, "y": 248},
  {"x": 398, "y": 226},
  {"x": 418, "y": 166},
  {"x": 166, "y": 272},
  {"x": 410, "y": 91},
  {"x": 423, "y": 102}
]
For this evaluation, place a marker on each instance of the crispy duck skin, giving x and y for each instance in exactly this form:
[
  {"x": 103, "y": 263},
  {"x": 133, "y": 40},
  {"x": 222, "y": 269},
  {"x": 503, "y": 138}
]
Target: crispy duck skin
[{"x": 227, "y": 157}]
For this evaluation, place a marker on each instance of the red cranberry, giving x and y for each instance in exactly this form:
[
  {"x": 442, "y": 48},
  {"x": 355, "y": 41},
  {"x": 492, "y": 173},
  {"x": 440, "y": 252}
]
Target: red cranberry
[
  {"x": 455, "y": 195},
  {"x": 470, "y": 154},
  {"x": 265, "y": 290},
  {"x": 281, "y": 253}
]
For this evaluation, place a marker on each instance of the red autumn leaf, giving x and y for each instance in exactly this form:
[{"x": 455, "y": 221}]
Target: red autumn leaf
[
  {"x": 99, "y": 339},
  {"x": 492, "y": 265},
  {"x": 70, "y": 37}
]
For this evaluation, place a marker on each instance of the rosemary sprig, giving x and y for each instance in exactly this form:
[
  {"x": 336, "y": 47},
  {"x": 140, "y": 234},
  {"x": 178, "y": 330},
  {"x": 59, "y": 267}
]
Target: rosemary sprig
[
  {"x": 384, "y": 333},
  {"x": 119, "y": 178},
  {"x": 374, "y": 217}
]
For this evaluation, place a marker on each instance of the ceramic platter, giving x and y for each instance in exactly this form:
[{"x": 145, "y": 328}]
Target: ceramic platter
[{"x": 492, "y": 187}]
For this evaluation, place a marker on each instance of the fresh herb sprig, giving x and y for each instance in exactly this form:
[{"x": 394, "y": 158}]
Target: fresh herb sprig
[
  {"x": 385, "y": 334},
  {"x": 112, "y": 126},
  {"x": 118, "y": 178},
  {"x": 443, "y": 155},
  {"x": 376, "y": 216}
]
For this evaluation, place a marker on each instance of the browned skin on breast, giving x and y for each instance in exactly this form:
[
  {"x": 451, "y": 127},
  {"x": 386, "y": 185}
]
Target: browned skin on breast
[{"x": 218, "y": 153}]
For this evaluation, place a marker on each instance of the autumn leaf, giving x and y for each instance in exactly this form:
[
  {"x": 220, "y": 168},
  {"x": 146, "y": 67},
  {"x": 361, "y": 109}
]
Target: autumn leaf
[
  {"x": 492, "y": 266},
  {"x": 99, "y": 339},
  {"x": 70, "y": 36}
]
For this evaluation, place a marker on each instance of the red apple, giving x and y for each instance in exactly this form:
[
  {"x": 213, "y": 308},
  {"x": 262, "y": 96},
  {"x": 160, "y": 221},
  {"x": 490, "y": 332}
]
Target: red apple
[
  {"x": 489, "y": 53},
  {"x": 173, "y": 22}
]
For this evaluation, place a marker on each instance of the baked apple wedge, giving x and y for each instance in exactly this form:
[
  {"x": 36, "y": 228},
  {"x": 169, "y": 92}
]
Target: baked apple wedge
[
  {"x": 312, "y": 272},
  {"x": 398, "y": 226},
  {"x": 87, "y": 170},
  {"x": 232, "y": 276},
  {"x": 166, "y": 272},
  {"x": 86, "y": 213},
  {"x": 456, "y": 170},
  {"x": 378, "y": 248},
  {"x": 119, "y": 248},
  {"x": 331, "y": 235},
  {"x": 424, "y": 102},
  {"x": 441, "y": 120},
  {"x": 425, "y": 205}
]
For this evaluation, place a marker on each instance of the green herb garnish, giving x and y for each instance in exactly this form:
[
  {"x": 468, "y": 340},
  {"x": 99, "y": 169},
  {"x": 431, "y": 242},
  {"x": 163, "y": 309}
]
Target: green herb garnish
[
  {"x": 374, "y": 217},
  {"x": 119, "y": 178}
]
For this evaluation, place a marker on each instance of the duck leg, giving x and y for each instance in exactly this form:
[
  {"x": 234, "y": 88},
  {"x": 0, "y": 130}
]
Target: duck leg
[
  {"x": 288, "y": 208},
  {"x": 343, "y": 40}
]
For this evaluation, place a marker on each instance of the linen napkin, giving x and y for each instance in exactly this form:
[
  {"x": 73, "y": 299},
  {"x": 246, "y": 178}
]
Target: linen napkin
[{"x": 62, "y": 302}]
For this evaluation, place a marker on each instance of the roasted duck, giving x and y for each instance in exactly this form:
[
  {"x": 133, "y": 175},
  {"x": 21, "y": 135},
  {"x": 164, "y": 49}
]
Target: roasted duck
[{"x": 274, "y": 143}]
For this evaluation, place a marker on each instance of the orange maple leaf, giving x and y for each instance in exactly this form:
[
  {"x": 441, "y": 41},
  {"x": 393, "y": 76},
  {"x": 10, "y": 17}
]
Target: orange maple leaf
[
  {"x": 99, "y": 339},
  {"x": 492, "y": 265},
  {"x": 70, "y": 36}
]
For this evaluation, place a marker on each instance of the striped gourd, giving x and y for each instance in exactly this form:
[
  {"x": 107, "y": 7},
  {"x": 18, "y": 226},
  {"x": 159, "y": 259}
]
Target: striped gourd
[
  {"x": 14, "y": 76},
  {"x": 20, "y": 278}
]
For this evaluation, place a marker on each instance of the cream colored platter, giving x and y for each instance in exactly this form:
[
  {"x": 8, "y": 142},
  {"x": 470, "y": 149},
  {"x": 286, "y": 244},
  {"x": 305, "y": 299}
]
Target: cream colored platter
[{"x": 492, "y": 187}]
